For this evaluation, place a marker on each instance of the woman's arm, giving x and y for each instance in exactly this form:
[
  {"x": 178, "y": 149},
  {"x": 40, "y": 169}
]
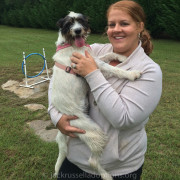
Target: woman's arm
[{"x": 136, "y": 101}]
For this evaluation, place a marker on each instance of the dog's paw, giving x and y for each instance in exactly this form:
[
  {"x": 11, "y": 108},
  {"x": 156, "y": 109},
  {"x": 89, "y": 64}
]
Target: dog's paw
[
  {"x": 112, "y": 56},
  {"x": 133, "y": 75},
  {"x": 106, "y": 176},
  {"x": 119, "y": 57},
  {"x": 55, "y": 175}
]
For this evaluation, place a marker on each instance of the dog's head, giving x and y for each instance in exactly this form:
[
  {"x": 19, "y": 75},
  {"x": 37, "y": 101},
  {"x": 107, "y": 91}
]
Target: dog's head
[{"x": 73, "y": 29}]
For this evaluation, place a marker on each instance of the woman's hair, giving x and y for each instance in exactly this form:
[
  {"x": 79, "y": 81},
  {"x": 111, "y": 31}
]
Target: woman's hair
[{"x": 137, "y": 14}]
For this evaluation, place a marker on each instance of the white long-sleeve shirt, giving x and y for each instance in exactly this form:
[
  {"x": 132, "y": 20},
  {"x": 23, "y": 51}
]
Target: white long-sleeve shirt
[{"x": 121, "y": 108}]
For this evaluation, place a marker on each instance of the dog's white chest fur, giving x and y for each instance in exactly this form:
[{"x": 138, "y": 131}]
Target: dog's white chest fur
[{"x": 69, "y": 91}]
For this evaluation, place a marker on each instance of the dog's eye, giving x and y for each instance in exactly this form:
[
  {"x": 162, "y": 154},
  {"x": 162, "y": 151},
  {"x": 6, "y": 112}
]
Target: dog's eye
[
  {"x": 80, "y": 20},
  {"x": 83, "y": 22},
  {"x": 68, "y": 24},
  {"x": 71, "y": 20},
  {"x": 68, "y": 21}
]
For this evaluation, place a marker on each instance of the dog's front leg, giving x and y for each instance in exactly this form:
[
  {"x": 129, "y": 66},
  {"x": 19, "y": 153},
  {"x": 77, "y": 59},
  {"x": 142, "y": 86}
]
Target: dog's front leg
[
  {"x": 111, "y": 71},
  {"x": 112, "y": 56}
]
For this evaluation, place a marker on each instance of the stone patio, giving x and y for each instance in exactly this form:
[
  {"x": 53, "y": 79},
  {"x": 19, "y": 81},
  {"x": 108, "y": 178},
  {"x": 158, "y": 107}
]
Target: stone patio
[{"x": 39, "y": 126}]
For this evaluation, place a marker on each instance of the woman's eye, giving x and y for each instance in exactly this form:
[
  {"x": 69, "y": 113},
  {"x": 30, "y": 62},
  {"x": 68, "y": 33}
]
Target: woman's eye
[
  {"x": 111, "y": 25},
  {"x": 124, "y": 24}
]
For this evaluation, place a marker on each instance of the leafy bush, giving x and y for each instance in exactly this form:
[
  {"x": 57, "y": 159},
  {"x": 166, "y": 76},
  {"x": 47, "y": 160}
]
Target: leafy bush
[
  {"x": 169, "y": 18},
  {"x": 161, "y": 15},
  {"x": 152, "y": 10}
]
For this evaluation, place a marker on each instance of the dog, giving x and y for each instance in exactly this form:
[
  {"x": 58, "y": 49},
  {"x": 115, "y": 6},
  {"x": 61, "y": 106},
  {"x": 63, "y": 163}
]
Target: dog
[{"x": 69, "y": 91}]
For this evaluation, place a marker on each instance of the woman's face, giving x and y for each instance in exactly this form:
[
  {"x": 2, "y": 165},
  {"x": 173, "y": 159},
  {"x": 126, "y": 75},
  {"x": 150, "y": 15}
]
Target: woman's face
[{"x": 123, "y": 32}]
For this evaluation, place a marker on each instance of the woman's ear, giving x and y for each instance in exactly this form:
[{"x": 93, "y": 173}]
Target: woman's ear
[{"x": 141, "y": 26}]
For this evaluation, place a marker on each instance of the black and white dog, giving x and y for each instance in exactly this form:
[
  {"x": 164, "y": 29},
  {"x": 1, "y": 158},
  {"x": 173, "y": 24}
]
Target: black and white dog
[{"x": 69, "y": 91}]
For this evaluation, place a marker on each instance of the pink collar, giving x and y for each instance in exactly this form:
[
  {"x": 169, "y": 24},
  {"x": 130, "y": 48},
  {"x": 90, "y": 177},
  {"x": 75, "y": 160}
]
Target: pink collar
[
  {"x": 67, "y": 69},
  {"x": 59, "y": 47}
]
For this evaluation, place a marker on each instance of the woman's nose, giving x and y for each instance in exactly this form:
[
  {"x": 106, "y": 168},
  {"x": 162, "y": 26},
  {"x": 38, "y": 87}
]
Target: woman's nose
[{"x": 117, "y": 28}]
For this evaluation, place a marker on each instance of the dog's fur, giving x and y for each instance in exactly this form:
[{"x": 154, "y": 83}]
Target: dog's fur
[{"x": 69, "y": 91}]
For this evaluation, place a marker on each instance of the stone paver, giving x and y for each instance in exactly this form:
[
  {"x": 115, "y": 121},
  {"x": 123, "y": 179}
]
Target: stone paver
[{"x": 39, "y": 127}]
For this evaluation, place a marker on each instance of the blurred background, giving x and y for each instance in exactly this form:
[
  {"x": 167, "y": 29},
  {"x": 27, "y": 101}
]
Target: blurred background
[{"x": 162, "y": 16}]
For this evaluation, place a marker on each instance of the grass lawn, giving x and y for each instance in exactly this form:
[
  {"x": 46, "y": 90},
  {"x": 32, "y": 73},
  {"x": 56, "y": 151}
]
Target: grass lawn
[{"x": 24, "y": 156}]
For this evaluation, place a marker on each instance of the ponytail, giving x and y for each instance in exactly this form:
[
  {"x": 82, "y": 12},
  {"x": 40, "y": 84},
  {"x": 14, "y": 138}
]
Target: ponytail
[{"x": 146, "y": 42}]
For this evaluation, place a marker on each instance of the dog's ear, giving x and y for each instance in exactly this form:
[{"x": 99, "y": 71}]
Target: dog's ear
[
  {"x": 59, "y": 24},
  {"x": 85, "y": 18}
]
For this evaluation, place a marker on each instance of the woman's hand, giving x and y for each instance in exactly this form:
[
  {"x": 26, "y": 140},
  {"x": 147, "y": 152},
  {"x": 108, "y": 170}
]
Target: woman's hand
[
  {"x": 64, "y": 126},
  {"x": 83, "y": 64}
]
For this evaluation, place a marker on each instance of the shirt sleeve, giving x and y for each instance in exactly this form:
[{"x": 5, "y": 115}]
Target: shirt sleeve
[
  {"x": 136, "y": 101},
  {"x": 53, "y": 112}
]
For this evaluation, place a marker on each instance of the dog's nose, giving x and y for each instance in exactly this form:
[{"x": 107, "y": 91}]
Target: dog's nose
[{"x": 78, "y": 31}]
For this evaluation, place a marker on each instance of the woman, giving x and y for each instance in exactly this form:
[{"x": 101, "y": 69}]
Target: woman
[{"x": 120, "y": 107}]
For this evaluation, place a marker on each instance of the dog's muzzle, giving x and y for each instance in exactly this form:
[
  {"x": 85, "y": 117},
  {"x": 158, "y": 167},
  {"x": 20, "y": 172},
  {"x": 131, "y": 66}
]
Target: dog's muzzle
[{"x": 77, "y": 31}]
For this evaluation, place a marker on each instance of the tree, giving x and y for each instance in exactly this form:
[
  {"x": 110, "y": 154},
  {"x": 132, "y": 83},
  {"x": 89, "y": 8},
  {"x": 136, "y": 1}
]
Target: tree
[{"x": 169, "y": 18}]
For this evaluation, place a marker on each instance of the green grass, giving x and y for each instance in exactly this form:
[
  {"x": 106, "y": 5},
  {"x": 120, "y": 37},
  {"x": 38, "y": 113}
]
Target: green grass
[{"x": 24, "y": 156}]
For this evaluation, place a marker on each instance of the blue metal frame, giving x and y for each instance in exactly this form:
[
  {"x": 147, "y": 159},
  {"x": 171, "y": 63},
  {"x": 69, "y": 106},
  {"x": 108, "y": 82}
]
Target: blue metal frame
[{"x": 42, "y": 68}]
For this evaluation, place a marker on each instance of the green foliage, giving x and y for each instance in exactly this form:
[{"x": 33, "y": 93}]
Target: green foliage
[
  {"x": 45, "y": 13},
  {"x": 161, "y": 16},
  {"x": 169, "y": 18},
  {"x": 152, "y": 10}
]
